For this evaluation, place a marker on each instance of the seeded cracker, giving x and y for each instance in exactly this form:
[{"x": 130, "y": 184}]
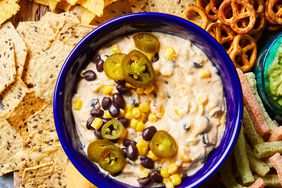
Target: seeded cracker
[
  {"x": 139, "y": 5},
  {"x": 57, "y": 21},
  {"x": 8, "y": 32},
  {"x": 26, "y": 108},
  {"x": 12, "y": 96},
  {"x": 41, "y": 129},
  {"x": 8, "y": 8},
  {"x": 7, "y": 64},
  {"x": 11, "y": 146}
]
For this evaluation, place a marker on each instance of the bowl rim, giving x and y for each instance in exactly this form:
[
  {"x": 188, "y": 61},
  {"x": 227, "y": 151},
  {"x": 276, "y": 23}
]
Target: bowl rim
[{"x": 119, "y": 20}]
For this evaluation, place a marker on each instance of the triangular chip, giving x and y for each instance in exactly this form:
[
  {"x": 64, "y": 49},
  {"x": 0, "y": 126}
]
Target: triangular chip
[
  {"x": 12, "y": 155},
  {"x": 72, "y": 2},
  {"x": 26, "y": 108},
  {"x": 94, "y": 6},
  {"x": 8, "y": 8},
  {"x": 42, "y": 2},
  {"x": 8, "y": 32},
  {"x": 7, "y": 64},
  {"x": 84, "y": 14},
  {"x": 12, "y": 96},
  {"x": 41, "y": 129},
  {"x": 53, "y": 4}
]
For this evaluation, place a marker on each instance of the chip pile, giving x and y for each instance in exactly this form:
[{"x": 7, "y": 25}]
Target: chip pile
[{"x": 30, "y": 60}]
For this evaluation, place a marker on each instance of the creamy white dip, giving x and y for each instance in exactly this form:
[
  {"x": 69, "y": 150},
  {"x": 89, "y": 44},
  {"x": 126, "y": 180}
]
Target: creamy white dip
[{"x": 192, "y": 100}]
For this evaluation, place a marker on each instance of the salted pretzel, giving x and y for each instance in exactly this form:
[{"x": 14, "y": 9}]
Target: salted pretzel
[
  {"x": 197, "y": 16},
  {"x": 274, "y": 11},
  {"x": 222, "y": 33},
  {"x": 244, "y": 52},
  {"x": 258, "y": 6},
  {"x": 210, "y": 7},
  {"x": 259, "y": 25},
  {"x": 242, "y": 11}
]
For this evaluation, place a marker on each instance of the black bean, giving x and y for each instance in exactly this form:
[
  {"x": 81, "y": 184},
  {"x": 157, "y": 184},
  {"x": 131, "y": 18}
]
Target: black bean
[
  {"x": 96, "y": 58},
  {"x": 127, "y": 142},
  {"x": 118, "y": 100},
  {"x": 88, "y": 123},
  {"x": 197, "y": 65},
  {"x": 147, "y": 162},
  {"x": 89, "y": 75},
  {"x": 106, "y": 102},
  {"x": 156, "y": 176},
  {"x": 97, "y": 112},
  {"x": 98, "y": 134},
  {"x": 124, "y": 151},
  {"x": 149, "y": 132},
  {"x": 95, "y": 103},
  {"x": 120, "y": 82},
  {"x": 132, "y": 152},
  {"x": 100, "y": 65},
  {"x": 114, "y": 111},
  {"x": 124, "y": 121},
  {"x": 122, "y": 89},
  {"x": 156, "y": 57},
  {"x": 143, "y": 181}
]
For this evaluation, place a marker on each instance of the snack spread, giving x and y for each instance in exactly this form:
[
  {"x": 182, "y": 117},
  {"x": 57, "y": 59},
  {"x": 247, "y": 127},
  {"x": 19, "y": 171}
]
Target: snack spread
[{"x": 141, "y": 117}]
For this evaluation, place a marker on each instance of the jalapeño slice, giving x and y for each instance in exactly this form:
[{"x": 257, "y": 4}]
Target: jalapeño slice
[
  {"x": 112, "y": 160},
  {"x": 95, "y": 149},
  {"x": 137, "y": 69},
  {"x": 163, "y": 144},
  {"x": 112, "y": 66},
  {"x": 146, "y": 42},
  {"x": 112, "y": 130}
]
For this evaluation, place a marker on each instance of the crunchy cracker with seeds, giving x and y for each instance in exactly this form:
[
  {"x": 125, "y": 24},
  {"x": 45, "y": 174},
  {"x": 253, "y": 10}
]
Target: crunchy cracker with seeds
[
  {"x": 8, "y": 32},
  {"x": 7, "y": 64}
]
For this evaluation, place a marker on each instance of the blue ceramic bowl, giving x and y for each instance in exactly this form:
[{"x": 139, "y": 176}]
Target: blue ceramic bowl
[{"x": 127, "y": 24}]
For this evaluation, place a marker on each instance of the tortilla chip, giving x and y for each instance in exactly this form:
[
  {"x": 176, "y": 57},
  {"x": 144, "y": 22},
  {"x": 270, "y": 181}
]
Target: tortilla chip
[
  {"x": 115, "y": 9},
  {"x": 64, "y": 5},
  {"x": 7, "y": 64},
  {"x": 94, "y": 6},
  {"x": 53, "y": 4},
  {"x": 72, "y": 2},
  {"x": 41, "y": 129},
  {"x": 85, "y": 15},
  {"x": 139, "y": 5},
  {"x": 174, "y": 7},
  {"x": 45, "y": 175},
  {"x": 12, "y": 96},
  {"x": 38, "y": 36},
  {"x": 42, "y": 2},
  {"x": 8, "y": 32},
  {"x": 26, "y": 108},
  {"x": 8, "y": 8},
  {"x": 11, "y": 145}
]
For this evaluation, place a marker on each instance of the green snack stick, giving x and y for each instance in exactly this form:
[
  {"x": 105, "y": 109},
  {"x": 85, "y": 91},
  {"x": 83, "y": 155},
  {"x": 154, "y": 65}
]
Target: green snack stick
[
  {"x": 257, "y": 165},
  {"x": 241, "y": 159},
  {"x": 250, "y": 131},
  {"x": 267, "y": 149}
]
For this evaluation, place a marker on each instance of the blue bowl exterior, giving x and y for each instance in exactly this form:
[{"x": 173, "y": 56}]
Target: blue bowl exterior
[{"x": 127, "y": 24}]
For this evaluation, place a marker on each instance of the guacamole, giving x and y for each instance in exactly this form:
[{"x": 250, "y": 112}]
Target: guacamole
[{"x": 274, "y": 77}]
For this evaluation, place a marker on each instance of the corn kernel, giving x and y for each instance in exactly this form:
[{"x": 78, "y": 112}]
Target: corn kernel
[
  {"x": 133, "y": 123},
  {"x": 176, "y": 111},
  {"x": 144, "y": 173},
  {"x": 136, "y": 112},
  {"x": 205, "y": 74},
  {"x": 98, "y": 88},
  {"x": 202, "y": 99},
  {"x": 164, "y": 172},
  {"x": 97, "y": 123},
  {"x": 149, "y": 89},
  {"x": 139, "y": 91},
  {"x": 129, "y": 85},
  {"x": 124, "y": 134},
  {"x": 107, "y": 114},
  {"x": 172, "y": 168},
  {"x": 168, "y": 183},
  {"x": 128, "y": 107},
  {"x": 122, "y": 112},
  {"x": 170, "y": 54},
  {"x": 152, "y": 156},
  {"x": 129, "y": 115},
  {"x": 142, "y": 147},
  {"x": 142, "y": 117},
  {"x": 115, "y": 49},
  {"x": 140, "y": 126},
  {"x": 107, "y": 90},
  {"x": 144, "y": 107},
  {"x": 152, "y": 118},
  {"x": 175, "y": 179},
  {"x": 77, "y": 104}
]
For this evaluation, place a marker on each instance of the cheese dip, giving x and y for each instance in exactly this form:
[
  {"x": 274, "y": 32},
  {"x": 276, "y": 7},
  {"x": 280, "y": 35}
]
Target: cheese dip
[{"x": 149, "y": 108}]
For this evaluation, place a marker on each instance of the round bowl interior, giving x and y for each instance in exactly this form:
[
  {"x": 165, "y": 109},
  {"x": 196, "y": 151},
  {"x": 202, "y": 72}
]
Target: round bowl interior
[{"x": 128, "y": 24}]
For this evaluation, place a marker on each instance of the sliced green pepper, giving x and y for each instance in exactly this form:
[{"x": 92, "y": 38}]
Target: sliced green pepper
[
  {"x": 163, "y": 144},
  {"x": 146, "y": 42},
  {"x": 95, "y": 149},
  {"x": 112, "y": 130},
  {"x": 137, "y": 69},
  {"x": 112, "y": 160},
  {"x": 112, "y": 66}
]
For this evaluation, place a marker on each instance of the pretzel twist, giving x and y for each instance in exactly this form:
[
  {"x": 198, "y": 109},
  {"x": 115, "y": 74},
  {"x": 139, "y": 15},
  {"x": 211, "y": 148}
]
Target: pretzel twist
[{"x": 189, "y": 15}]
